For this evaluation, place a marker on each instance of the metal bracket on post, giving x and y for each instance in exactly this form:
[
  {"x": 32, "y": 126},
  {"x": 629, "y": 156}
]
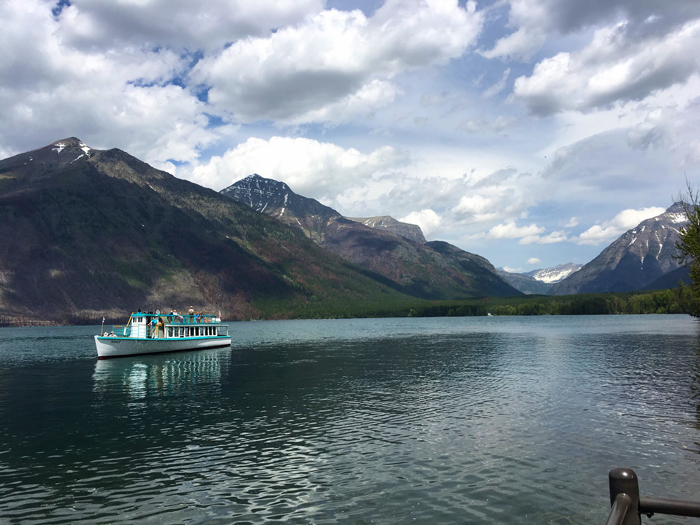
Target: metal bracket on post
[{"x": 624, "y": 497}]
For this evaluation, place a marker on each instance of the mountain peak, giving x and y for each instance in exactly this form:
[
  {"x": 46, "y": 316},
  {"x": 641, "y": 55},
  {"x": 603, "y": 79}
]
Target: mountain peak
[
  {"x": 634, "y": 260},
  {"x": 70, "y": 144},
  {"x": 42, "y": 163},
  {"x": 275, "y": 198}
]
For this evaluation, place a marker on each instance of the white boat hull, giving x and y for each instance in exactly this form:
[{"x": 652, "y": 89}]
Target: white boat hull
[{"x": 125, "y": 346}]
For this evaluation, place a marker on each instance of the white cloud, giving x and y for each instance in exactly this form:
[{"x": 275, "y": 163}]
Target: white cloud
[
  {"x": 498, "y": 86},
  {"x": 551, "y": 238},
  {"x": 51, "y": 90},
  {"x": 623, "y": 221},
  {"x": 614, "y": 67},
  {"x": 537, "y": 21},
  {"x": 335, "y": 58},
  {"x": 511, "y": 231},
  {"x": 314, "y": 169},
  {"x": 573, "y": 221},
  {"x": 512, "y": 270},
  {"x": 427, "y": 219},
  {"x": 180, "y": 24},
  {"x": 533, "y": 260},
  {"x": 475, "y": 204}
]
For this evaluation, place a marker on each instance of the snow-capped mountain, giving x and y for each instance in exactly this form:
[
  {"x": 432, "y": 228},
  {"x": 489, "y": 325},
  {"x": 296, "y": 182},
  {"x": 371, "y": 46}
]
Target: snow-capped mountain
[
  {"x": 632, "y": 262},
  {"x": 539, "y": 281},
  {"x": 556, "y": 273}
]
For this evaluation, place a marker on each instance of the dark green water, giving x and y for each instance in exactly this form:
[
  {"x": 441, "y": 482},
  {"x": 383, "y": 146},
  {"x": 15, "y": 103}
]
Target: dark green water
[{"x": 450, "y": 420}]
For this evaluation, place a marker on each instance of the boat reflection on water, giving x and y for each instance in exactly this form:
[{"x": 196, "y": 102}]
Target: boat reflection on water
[{"x": 163, "y": 375}]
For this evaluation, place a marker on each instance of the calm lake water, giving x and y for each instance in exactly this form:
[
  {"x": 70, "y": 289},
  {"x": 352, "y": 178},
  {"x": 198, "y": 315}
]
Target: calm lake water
[{"x": 443, "y": 420}]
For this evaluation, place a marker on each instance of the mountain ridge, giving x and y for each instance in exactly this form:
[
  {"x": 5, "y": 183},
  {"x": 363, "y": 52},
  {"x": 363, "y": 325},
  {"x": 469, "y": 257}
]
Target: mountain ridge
[
  {"x": 426, "y": 270},
  {"x": 633, "y": 261},
  {"x": 92, "y": 232}
]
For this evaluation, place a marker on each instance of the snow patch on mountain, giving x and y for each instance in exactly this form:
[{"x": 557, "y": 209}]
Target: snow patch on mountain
[{"x": 555, "y": 274}]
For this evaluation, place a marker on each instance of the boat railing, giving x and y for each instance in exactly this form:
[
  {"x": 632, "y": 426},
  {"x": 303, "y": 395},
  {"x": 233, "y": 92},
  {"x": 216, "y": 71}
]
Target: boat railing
[
  {"x": 151, "y": 330},
  {"x": 177, "y": 319},
  {"x": 627, "y": 506}
]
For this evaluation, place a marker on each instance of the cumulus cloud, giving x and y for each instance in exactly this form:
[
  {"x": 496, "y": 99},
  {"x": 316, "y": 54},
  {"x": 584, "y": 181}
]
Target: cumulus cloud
[
  {"x": 623, "y": 221},
  {"x": 123, "y": 98},
  {"x": 531, "y": 234},
  {"x": 551, "y": 238},
  {"x": 614, "y": 67},
  {"x": 179, "y": 24},
  {"x": 511, "y": 231},
  {"x": 533, "y": 260},
  {"x": 475, "y": 204},
  {"x": 533, "y": 21},
  {"x": 121, "y": 73},
  {"x": 303, "y": 72},
  {"x": 314, "y": 169},
  {"x": 427, "y": 219}
]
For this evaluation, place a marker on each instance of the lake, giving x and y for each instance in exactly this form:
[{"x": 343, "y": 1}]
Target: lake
[{"x": 437, "y": 420}]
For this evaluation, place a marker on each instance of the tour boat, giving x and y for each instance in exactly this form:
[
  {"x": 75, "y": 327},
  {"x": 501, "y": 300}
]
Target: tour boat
[{"x": 154, "y": 333}]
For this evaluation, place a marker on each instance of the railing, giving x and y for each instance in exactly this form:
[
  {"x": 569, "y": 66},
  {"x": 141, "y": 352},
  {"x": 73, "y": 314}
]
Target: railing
[
  {"x": 190, "y": 319},
  {"x": 172, "y": 322},
  {"x": 627, "y": 506}
]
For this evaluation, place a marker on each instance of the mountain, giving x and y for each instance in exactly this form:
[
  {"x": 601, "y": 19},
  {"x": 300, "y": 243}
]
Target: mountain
[
  {"x": 632, "y": 262},
  {"x": 87, "y": 232},
  {"x": 412, "y": 232},
  {"x": 554, "y": 274},
  {"x": 671, "y": 279},
  {"x": 539, "y": 281},
  {"x": 277, "y": 200},
  {"x": 433, "y": 270},
  {"x": 525, "y": 283}
]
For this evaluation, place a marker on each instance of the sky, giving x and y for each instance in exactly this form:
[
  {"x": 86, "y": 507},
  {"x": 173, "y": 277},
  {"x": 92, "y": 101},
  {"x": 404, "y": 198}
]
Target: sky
[{"x": 532, "y": 132}]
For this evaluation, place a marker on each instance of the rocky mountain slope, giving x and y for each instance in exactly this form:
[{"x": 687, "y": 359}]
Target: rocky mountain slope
[
  {"x": 87, "y": 232},
  {"x": 433, "y": 270},
  {"x": 632, "y": 262},
  {"x": 412, "y": 232}
]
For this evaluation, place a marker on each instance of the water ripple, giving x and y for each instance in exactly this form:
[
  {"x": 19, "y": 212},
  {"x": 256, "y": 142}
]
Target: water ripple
[{"x": 444, "y": 420}]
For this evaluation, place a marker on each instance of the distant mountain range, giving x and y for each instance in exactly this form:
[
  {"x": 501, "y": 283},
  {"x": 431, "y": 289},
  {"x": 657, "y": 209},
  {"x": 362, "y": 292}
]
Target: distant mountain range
[
  {"x": 539, "y": 281},
  {"x": 396, "y": 250},
  {"x": 87, "y": 232},
  {"x": 641, "y": 258}
]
